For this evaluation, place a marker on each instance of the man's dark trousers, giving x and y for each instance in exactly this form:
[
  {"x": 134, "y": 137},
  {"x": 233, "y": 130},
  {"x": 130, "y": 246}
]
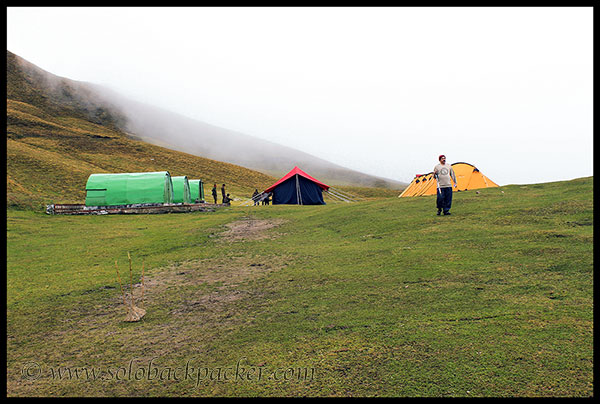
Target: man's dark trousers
[{"x": 444, "y": 199}]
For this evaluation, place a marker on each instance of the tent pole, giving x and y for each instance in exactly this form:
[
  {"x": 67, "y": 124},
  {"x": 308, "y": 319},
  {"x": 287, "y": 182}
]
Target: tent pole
[{"x": 298, "y": 193}]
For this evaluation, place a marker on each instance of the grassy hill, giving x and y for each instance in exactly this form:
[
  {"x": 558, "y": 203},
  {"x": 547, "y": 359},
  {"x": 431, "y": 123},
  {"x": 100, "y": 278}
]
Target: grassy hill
[
  {"x": 380, "y": 298},
  {"x": 96, "y": 117},
  {"x": 58, "y": 134},
  {"x": 178, "y": 132},
  {"x": 49, "y": 159},
  {"x": 56, "y": 139}
]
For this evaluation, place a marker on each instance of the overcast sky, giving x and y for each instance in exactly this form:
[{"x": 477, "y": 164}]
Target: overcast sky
[{"x": 380, "y": 90}]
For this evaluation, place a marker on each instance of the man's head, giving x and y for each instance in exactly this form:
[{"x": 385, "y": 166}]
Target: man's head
[{"x": 442, "y": 159}]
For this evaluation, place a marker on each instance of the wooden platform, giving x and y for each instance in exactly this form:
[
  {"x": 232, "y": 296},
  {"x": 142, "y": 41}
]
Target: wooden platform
[{"x": 78, "y": 209}]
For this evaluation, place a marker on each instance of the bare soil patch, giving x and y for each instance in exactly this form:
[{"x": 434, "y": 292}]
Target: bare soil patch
[
  {"x": 251, "y": 229},
  {"x": 213, "y": 283},
  {"x": 201, "y": 285}
]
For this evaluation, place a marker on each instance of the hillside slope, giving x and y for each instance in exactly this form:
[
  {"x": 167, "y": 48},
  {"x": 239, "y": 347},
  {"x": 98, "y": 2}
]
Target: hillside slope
[
  {"x": 179, "y": 132},
  {"x": 56, "y": 138},
  {"x": 100, "y": 105}
]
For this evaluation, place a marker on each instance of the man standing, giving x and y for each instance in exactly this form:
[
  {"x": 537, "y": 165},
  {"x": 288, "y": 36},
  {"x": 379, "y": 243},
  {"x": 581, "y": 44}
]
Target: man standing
[
  {"x": 214, "y": 193},
  {"x": 445, "y": 175},
  {"x": 255, "y": 197},
  {"x": 223, "y": 193}
]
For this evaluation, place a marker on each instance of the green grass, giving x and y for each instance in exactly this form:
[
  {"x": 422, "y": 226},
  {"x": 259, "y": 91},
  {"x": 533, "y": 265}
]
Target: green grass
[{"x": 380, "y": 298}]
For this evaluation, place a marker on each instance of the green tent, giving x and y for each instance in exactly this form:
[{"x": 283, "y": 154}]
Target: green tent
[
  {"x": 196, "y": 190},
  {"x": 129, "y": 188},
  {"x": 181, "y": 189}
]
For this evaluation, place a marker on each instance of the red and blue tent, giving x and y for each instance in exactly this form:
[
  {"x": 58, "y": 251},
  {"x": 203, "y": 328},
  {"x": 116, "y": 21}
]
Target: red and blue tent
[{"x": 297, "y": 188}]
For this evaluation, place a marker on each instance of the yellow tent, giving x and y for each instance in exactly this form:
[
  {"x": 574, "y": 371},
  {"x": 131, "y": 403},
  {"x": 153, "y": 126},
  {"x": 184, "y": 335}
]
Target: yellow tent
[{"x": 467, "y": 176}]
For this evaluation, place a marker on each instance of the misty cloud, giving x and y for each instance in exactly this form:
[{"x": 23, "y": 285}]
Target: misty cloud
[{"x": 378, "y": 90}]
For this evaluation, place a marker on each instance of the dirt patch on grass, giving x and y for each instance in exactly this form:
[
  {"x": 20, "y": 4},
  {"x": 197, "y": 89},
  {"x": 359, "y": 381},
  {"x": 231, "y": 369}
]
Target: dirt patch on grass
[
  {"x": 211, "y": 284},
  {"x": 251, "y": 229},
  {"x": 202, "y": 285}
]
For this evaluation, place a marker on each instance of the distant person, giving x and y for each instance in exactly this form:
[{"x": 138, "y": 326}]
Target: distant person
[
  {"x": 227, "y": 199},
  {"x": 255, "y": 197},
  {"x": 214, "y": 193},
  {"x": 267, "y": 199},
  {"x": 223, "y": 193},
  {"x": 444, "y": 174}
]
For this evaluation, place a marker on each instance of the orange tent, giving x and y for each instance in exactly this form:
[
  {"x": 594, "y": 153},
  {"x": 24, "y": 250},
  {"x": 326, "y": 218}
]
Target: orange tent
[{"x": 467, "y": 176}]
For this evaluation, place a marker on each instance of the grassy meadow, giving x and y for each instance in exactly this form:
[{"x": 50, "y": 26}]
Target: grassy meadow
[{"x": 378, "y": 298}]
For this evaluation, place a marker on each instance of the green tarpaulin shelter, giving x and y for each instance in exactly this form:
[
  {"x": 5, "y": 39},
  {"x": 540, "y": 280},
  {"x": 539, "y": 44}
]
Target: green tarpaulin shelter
[
  {"x": 196, "y": 190},
  {"x": 129, "y": 188},
  {"x": 181, "y": 189}
]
